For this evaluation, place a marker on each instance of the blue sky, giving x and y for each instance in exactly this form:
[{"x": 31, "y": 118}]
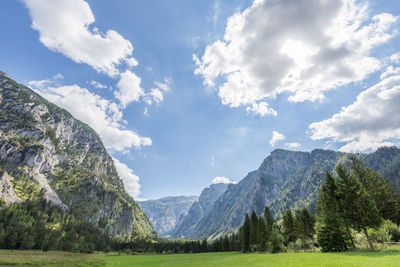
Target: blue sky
[{"x": 318, "y": 74}]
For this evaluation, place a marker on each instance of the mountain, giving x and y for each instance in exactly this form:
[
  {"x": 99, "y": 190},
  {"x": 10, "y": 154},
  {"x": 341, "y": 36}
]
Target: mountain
[
  {"x": 165, "y": 213},
  {"x": 199, "y": 208},
  {"x": 285, "y": 179},
  {"x": 46, "y": 151}
]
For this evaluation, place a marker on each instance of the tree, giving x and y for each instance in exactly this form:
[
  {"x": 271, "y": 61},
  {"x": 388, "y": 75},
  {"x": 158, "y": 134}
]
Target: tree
[
  {"x": 358, "y": 208},
  {"x": 269, "y": 222},
  {"x": 383, "y": 194},
  {"x": 331, "y": 235},
  {"x": 261, "y": 235},
  {"x": 253, "y": 229},
  {"x": 304, "y": 225},
  {"x": 289, "y": 232},
  {"x": 246, "y": 234}
]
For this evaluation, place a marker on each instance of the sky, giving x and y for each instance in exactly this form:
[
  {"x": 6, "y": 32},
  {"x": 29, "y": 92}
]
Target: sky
[{"x": 189, "y": 93}]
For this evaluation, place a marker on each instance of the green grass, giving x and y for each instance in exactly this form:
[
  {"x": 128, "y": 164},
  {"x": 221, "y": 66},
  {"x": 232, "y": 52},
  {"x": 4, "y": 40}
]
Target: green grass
[
  {"x": 50, "y": 258},
  {"x": 386, "y": 257}
]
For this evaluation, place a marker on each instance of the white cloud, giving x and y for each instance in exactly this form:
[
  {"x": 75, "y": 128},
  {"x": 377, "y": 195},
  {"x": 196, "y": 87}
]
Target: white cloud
[
  {"x": 129, "y": 88},
  {"x": 293, "y": 145},
  {"x": 261, "y": 109},
  {"x": 222, "y": 180},
  {"x": 370, "y": 122},
  {"x": 390, "y": 70},
  {"x": 157, "y": 95},
  {"x": 276, "y": 137},
  {"x": 104, "y": 116},
  {"x": 64, "y": 26},
  {"x": 97, "y": 84},
  {"x": 131, "y": 62},
  {"x": 130, "y": 180},
  {"x": 303, "y": 47}
]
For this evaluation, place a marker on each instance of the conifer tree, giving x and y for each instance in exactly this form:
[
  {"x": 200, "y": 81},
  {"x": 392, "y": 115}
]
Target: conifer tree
[
  {"x": 383, "y": 194},
  {"x": 289, "y": 232},
  {"x": 331, "y": 235},
  {"x": 253, "y": 228},
  {"x": 358, "y": 208},
  {"x": 245, "y": 234},
  {"x": 304, "y": 224},
  {"x": 261, "y": 235},
  {"x": 269, "y": 222}
]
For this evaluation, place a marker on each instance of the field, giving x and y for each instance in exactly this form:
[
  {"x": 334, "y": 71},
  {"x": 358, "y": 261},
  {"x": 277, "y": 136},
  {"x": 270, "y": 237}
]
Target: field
[{"x": 387, "y": 257}]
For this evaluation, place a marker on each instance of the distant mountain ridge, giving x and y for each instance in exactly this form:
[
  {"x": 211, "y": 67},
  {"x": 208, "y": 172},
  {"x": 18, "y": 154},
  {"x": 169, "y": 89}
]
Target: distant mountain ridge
[
  {"x": 165, "y": 213},
  {"x": 285, "y": 179},
  {"x": 199, "y": 208},
  {"x": 45, "y": 150}
]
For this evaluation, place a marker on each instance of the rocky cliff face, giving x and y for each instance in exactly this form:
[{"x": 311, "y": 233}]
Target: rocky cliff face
[
  {"x": 165, "y": 213},
  {"x": 199, "y": 209},
  {"x": 286, "y": 179},
  {"x": 43, "y": 143},
  {"x": 7, "y": 193}
]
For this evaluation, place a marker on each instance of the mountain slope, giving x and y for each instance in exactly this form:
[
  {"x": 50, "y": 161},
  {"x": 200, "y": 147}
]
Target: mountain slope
[
  {"x": 43, "y": 143},
  {"x": 199, "y": 209},
  {"x": 165, "y": 213},
  {"x": 285, "y": 179}
]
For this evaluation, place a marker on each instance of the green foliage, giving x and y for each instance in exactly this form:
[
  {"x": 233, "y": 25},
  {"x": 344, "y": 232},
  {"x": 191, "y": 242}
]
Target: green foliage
[
  {"x": 25, "y": 188},
  {"x": 245, "y": 233},
  {"x": 38, "y": 225},
  {"x": 51, "y": 133},
  {"x": 304, "y": 224},
  {"x": 289, "y": 231}
]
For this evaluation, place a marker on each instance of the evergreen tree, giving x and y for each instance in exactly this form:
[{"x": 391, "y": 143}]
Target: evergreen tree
[
  {"x": 331, "y": 235},
  {"x": 358, "y": 208},
  {"x": 383, "y": 194},
  {"x": 275, "y": 243},
  {"x": 289, "y": 232},
  {"x": 261, "y": 235},
  {"x": 245, "y": 233},
  {"x": 253, "y": 229},
  {"x": 304, "y": 225},
  {"x": 269, "y": 222}
]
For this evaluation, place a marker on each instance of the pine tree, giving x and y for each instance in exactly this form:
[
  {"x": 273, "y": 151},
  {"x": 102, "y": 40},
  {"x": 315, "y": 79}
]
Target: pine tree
[
  {"x": 384, "y": 195},
  {"x": 253, "y": 229},
  {"x": 261, "y": 235},
  {"x": 304, "y": 225},
  {"x": 289, "y": 232},
  {"x": 245, "y": 233},
  {"x": 331, "y": 235},
  {"x": 269, "y": 222},
  {"x": 358, "y": 208}
]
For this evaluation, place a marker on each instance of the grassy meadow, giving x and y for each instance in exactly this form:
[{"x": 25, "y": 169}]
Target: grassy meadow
[{"x": 389, "y": 256}]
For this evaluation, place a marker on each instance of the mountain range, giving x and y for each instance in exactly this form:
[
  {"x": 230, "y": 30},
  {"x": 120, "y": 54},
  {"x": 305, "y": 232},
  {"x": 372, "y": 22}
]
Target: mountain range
[{"x": 285, "y": 179}]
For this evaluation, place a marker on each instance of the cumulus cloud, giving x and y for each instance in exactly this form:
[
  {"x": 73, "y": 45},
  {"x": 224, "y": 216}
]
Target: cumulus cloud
[
  {"x": 104, "y": 116},
  {"x": 129, "y": 88},
  {"x": 157, "y": 94},
  {"x": 303, "y": 48},
  {"x": 64, "y": 27},
  {"x": 276, "y": 137},
  {"x": 293, "y": 145},
  {"x": 130, "y": 180},
  {"x": 370, "y": 122},
  {"x": 222, "y": 180},
  {"x": 261, "y": 109},
  {"x": 97, "y": 84}
]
